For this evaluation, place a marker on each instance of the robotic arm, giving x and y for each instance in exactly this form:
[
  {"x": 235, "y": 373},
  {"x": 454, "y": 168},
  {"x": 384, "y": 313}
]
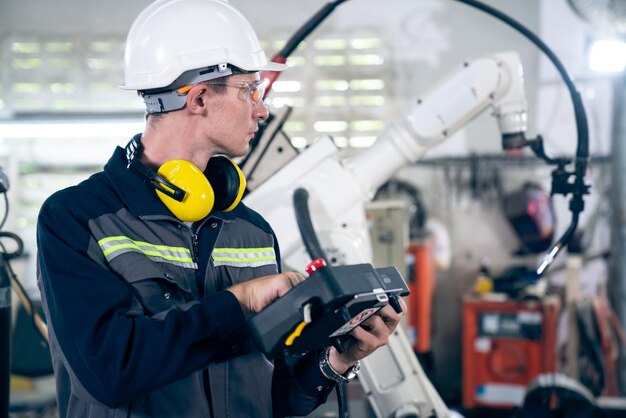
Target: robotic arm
[
  {"x": 491, "y": 81},
  {"x": 338, "y": 188}
]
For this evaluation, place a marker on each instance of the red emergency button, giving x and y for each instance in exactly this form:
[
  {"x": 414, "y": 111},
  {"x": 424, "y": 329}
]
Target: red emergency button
[{"x": 314, "y": 265}]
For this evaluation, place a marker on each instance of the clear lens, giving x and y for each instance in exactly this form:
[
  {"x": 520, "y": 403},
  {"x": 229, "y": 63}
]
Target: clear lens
[
  {"x": 252, "y": 90},
  {"x": 256, "y": 91}
]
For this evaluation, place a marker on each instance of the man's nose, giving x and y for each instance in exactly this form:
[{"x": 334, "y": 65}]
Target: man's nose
[{"x": 260, "y": 111}]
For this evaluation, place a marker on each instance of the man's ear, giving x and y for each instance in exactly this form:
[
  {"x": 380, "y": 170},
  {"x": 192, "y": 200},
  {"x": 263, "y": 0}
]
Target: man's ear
[{"x": 197, "y": 98}]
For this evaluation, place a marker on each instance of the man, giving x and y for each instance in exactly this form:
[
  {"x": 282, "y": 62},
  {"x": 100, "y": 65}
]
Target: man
[{"x": 147, "y": 273}]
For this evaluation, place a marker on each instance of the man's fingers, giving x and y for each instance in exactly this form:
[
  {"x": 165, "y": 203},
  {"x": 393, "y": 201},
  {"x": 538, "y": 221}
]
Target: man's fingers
[
  {"x": 376, "y": 326},
  {"x": 373, "y": 333},
  {"x": 404, "y": 307},
  {"x": 389, "y": 316},
  {"x": 366, "y": 341},
  {"x": 294, "y": 278},
  {"x": 373, "y": 321}
]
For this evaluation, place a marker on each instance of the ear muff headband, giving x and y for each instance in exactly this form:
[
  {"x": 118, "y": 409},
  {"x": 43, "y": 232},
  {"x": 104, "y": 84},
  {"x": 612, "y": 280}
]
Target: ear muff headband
[
  {"x": 134, "y": 150},
  {"x": 228, "y": 181},
  {"x": 158, "y": 182}
]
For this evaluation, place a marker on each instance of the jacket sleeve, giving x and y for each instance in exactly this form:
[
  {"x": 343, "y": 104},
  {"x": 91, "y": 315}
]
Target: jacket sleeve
[
  {"x": 298, "y": 386},
  {"x": 116, "y": 356}
]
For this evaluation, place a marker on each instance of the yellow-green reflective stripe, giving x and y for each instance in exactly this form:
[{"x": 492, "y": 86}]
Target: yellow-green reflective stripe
[
  {"x": 143, "y": 243},
  {"x": 244, "y": 257},
  {"x": 243, "y": 250},
  {"x": 118, "y": 245},
  {"x": 146, "y": 252}
]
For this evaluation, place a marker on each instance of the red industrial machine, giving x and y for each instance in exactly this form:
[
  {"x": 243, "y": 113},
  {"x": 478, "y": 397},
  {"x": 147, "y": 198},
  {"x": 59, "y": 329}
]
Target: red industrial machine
[{"x": 506, "y": 344}]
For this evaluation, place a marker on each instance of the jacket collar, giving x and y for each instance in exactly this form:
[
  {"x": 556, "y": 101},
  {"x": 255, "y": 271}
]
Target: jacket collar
[{"x": 140, "y": 198}]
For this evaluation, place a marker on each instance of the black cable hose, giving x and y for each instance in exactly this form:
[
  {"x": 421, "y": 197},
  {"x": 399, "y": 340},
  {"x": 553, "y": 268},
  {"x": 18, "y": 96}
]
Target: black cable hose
[
  {"x": 578, "y": 188},
  {"x": 582, "y": 151},
  {"x": 8, "y": 269},
  {"x": 18, "y": 241},
  {"x": 579, "y": 109},
  {"x": 308, "y": 27},
  {"x": 6, "y": 256},
  {"x": 23, "y": 296},
  {"x": 305, "y": 225},
  {"x": 342, "y": 400},
  {"x": 6, "y": 210},
  {"x": 315, "y": 251}
]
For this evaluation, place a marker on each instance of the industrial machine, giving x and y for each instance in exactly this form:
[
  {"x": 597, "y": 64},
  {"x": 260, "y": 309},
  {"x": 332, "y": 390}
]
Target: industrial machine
[
  {"x": 506, "y": 345},
  {"x": 393, "y": 380}
]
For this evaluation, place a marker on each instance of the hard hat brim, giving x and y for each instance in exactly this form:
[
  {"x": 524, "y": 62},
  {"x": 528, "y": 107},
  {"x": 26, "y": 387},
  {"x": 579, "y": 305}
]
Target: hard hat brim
[
  {"x": 274, "y": 66},
  {"x": 270, "y": 66}
]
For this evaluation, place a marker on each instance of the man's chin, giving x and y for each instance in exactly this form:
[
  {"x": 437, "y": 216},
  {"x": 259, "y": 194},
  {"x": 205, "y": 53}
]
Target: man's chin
[{"x": 240, "y": 153}]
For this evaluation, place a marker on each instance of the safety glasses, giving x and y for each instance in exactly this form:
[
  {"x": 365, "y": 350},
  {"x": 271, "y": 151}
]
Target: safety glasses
[{"x": 251, "y": 90}]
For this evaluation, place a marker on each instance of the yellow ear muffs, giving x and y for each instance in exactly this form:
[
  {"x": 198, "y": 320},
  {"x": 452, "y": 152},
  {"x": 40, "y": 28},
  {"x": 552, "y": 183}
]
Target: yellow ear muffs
[
  {"x": 199, "y": 196},
  {"x": 228, "y": 182}
]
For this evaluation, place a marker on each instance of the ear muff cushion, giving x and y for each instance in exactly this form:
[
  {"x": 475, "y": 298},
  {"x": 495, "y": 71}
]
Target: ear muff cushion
[
  {"x": 199, "y": 195},
  {"x": 228, "y": 182}
]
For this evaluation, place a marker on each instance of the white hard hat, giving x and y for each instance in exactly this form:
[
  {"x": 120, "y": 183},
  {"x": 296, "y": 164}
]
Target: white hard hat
[{"x": 171, "y": 37}]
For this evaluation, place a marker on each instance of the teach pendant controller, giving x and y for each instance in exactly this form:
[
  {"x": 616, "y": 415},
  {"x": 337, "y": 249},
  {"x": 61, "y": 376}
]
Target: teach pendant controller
[{"x": 326, "y": 307}]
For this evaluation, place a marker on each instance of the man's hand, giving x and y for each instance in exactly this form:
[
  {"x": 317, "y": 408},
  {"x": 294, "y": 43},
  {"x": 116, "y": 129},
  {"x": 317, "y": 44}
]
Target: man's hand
[
  {"x": 256, "y": 294},
  {"x": 366, "y": 338}
]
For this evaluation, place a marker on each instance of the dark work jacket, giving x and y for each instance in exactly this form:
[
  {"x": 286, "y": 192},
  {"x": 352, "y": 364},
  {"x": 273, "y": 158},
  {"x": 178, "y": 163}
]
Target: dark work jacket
[{"x": 140, "y": 323}]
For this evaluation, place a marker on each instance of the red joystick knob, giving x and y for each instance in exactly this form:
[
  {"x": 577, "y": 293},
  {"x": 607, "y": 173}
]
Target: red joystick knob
[{"x": 316, "y": 264}]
